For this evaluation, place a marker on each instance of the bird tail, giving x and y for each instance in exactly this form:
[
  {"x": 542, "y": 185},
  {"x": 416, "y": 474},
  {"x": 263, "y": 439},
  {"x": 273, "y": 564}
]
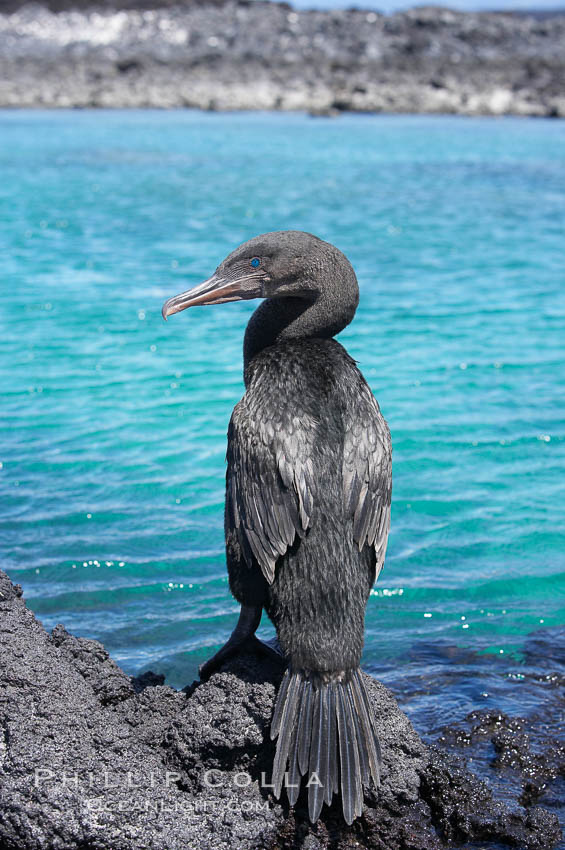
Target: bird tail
[{"x": 325, "y": 730}]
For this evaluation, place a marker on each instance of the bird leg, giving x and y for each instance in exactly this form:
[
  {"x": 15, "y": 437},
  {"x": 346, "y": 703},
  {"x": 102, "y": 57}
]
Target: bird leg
[
  {"x": 247, "y": 625},
  {"x": 244, "y": 633}
]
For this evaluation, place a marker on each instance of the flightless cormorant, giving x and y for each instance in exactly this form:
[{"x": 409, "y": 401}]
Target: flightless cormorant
[{"x": 307, "y": 510}]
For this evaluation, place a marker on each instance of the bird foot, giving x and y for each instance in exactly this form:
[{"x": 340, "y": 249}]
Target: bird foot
[
  {"x": 247, "y": 625},
  {"x": 215, "y": 662},
  {"x": 271, "y": 649}
]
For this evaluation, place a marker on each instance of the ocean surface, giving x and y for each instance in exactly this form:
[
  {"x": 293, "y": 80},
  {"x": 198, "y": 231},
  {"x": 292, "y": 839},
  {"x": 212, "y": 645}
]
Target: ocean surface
[{"x": 113, "y": 426}]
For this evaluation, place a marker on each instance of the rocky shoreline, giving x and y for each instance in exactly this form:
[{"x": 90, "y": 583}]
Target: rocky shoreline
[
  {"x": 91, "y": 758},
  {"x": 255, "y": 55}
]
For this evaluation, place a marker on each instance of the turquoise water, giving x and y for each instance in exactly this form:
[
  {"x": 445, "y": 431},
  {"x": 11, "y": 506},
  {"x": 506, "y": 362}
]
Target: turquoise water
[{"x": 114, "y": 423}]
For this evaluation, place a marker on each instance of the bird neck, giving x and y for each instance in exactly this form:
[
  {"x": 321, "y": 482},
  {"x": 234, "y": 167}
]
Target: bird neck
[{"x": 281, "y": 319}]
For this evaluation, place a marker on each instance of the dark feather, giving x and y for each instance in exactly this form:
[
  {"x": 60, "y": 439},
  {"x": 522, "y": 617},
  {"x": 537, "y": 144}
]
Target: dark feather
[
  {"x": 357, "y": 784},
  {"x": 364, "y": 713},
  {"x": 319, "y": 754},
  {"x": 354, "y": 492},
  {"x": 367, "y": 472},
  {"x": 334, "y": 764},
  {"x": 305, "y": 730},
  {"x": 325, "y": 765},
  {"x": 347, "y": 759},
  {"x": 287, "y": 723},
  {"x": 360, "y": 736},
  {"x": 294, "y": 777},
  {"x": 279, "y": 705},
  {"x": 270, "y": 482},
  {"x": 362, "y": 517},
  {"x": 370, "y": 712}
]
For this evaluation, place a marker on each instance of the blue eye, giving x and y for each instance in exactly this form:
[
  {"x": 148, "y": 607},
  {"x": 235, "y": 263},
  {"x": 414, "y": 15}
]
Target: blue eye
[{"x": 255, "y": 262}]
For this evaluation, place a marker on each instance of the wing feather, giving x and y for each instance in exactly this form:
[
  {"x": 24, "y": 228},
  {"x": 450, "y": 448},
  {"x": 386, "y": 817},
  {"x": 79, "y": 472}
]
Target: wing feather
[
  {"x": 271, "y": 486},
  {"x": 270, "y": 481},
  {"x": 367, "y": 472}
]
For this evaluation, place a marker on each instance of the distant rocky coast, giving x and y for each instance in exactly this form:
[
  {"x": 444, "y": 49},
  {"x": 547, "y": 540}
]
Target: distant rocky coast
[{"x": 261, "y": 55}]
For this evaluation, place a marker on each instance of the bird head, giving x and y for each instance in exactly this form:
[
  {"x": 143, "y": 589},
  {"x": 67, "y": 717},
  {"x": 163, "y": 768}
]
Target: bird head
[{"x": 283, "y": 264}]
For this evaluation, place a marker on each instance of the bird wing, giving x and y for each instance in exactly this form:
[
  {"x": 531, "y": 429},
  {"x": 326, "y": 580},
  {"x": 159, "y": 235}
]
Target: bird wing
[
  {"x": 270, "y": 481},
  {"x": 367, "y": 473}
]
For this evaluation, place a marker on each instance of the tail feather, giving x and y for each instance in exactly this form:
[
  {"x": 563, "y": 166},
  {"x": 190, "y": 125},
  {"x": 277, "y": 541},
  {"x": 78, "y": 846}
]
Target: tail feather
[
  {"x": 332, "y": 780},
  {"x": 361, "y": 743},
  {"x": 319, "y": 755},
  {"x": 325, "y": 730},
  {"x": 305, "y": 730},
  {"x": 287, "y": 723},
  {"x": 294, "y": 775},
  {"x": 279, "y": 705},
  {"x": 370, "y": 736},
  {"x": 357, "y": 789},
  {"x": 348, "y": 777}
]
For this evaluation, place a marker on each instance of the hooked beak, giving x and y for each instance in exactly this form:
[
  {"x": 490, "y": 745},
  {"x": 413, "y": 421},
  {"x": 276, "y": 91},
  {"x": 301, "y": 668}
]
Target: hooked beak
[{"x": 215, "y": 290}]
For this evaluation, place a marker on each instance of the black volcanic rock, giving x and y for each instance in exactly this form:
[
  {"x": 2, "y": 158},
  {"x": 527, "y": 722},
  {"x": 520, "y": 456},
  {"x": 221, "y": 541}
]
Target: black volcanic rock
[
  {"x": 91, "y": 759},
  {"x": 263, "y": 55}
]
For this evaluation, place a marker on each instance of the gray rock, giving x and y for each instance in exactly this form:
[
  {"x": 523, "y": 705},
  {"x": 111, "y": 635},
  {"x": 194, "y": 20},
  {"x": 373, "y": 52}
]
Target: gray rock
[
  {"x": 261, "y": 55},
  {"x": 91, "y": 759}
]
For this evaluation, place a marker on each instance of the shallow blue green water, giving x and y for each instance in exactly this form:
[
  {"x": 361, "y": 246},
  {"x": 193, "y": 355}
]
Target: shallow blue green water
[{"x": 113, "y": 422}]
